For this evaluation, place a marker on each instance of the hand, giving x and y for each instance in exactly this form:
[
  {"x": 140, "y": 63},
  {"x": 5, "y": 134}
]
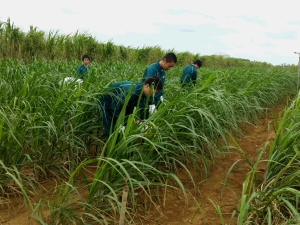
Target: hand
[
  {"x": 161, "y": 98},
  {"x": 144, "y": 128},
  {"x": 80, "y": 81},
  {"x": 151, "y": 109},
  {"x": 122, "y": 128}
]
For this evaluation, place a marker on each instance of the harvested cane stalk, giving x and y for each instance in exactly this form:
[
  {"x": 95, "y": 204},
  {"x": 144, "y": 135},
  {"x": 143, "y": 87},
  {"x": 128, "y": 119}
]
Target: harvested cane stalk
[{"x": 123, "y": 206}]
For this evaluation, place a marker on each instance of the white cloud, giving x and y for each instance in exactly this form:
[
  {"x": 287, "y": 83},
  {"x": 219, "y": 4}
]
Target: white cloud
[{"x": 249, "y": 23}]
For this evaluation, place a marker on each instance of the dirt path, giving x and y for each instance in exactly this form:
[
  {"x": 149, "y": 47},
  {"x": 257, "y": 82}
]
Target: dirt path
[{"x": 176, "y": 212}]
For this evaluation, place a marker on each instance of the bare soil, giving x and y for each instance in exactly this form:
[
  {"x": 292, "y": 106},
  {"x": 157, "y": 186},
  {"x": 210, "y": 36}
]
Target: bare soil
[
  {"x": 199, "y": 209},
  {"x": 174, "y": 211}
]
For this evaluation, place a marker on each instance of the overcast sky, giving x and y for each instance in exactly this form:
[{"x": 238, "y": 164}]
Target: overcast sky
[{"x": 260, "y": 30}]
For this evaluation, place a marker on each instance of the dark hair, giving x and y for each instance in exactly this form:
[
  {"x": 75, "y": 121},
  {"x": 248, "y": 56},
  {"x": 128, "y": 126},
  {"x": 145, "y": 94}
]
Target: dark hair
[
  {"x": 170, "y": 57},
  {"x": 85, "y": 56},
  {"x": 198, "y": 62},
  {"x": 155, "y": 81}
]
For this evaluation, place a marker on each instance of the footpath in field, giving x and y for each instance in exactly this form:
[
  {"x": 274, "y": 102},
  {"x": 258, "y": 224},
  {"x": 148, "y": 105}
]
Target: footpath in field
[{"x": 176, "y": 212}]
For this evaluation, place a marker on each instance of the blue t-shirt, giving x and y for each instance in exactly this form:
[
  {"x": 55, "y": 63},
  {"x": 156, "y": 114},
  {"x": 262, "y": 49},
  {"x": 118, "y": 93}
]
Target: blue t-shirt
[
  {"x": 155, "y": 70},
  {"x": 189, "y": 75},
  {"x": 83, "y": 72}
]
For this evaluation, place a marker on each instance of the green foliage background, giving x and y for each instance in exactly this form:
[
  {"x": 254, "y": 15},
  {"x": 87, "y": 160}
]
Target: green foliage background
[{"x": 14, "y": 43}]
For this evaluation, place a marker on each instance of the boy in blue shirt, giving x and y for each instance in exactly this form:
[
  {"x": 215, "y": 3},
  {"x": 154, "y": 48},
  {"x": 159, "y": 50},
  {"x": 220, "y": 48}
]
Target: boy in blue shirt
[
  {"x": 159, "y": 69},
  {"x": 84, "y": 68},
  {"x": 112, "y": 102},
  {"x": 189, "y": 74}
]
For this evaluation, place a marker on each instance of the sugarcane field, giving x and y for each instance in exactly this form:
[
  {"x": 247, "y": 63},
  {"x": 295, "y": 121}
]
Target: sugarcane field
[{"x": 222, "y": 149}]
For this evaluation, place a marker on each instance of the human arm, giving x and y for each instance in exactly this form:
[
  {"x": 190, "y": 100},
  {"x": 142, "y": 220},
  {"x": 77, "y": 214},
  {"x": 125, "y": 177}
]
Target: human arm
[
  {"x": 186, "y": 77},
  {"x": 79, "y": 72},
  {"x": 194, "y": 77},
  {"x": 82, "y": 72},
  {"x": 128, "y": 96},
  {"x": 150, "y": 71},
  {"x": 117, "y": 104}
]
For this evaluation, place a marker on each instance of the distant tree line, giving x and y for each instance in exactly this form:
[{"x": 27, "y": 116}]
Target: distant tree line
[{"x": 14, "y": 43}]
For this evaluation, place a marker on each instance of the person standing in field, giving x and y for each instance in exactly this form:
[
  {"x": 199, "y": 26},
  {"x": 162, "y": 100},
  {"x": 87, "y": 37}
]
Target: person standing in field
[
  {"x": 138, "y": 95},
  {"x": 83, "y": 70},
  {"x": 189, "y": 74},
  {"x": 159, "y": 69}
]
